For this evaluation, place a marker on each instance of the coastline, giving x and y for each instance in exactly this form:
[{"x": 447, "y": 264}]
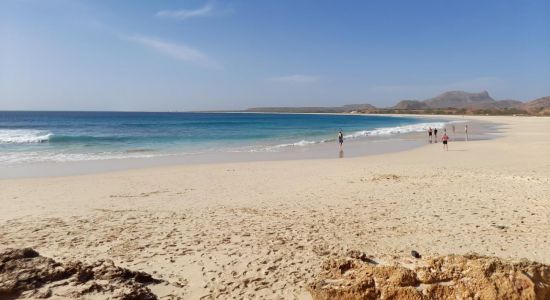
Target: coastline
[
  {"x": 354, "y": 147},
  {"x": 264, "y": 228}
]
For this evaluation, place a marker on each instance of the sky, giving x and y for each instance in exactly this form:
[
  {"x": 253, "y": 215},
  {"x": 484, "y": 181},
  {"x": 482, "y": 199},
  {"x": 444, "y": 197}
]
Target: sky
[{"x": 207, "y": 55}]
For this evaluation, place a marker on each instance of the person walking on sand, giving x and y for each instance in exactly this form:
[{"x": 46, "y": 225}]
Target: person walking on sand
[
  {"x": 445, "y": 139},
  {"x": 435, "y": 135},
  {"x": 430, "y": 134},
  {"x": 466, "y": 131},
  {"x": 453, "y": 128},
  {"x": 341, "y": 139}
]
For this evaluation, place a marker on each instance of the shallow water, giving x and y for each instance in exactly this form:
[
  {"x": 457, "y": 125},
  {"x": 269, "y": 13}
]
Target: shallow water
[{"x": 29, "y": 137}]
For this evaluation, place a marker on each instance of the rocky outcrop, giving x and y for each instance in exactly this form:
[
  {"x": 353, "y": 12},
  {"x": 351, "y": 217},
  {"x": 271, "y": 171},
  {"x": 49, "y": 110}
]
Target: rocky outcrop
[
  {"x": 445, "y": 277},
  {"x": 26, "y": 274},
  {"x": 540, "y": 106}
]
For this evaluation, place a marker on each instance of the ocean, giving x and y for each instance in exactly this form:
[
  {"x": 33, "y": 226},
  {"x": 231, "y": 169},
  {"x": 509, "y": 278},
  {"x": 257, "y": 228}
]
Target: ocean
[{"x": 27, "y": 137}]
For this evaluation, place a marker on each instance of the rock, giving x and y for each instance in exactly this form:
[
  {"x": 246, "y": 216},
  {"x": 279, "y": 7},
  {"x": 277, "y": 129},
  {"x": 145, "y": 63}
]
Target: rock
[
  {"x": 26, "y": 274},
  {"x": 361, "y": 256},
  {"x": 415, "y": 254},
  {"x": 11, "y": 254},
  {"x": 445, "y": 277}
]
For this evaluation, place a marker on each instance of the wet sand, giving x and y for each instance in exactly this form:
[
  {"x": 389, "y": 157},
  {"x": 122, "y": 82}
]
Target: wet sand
[{"x": 263, "y": 228}]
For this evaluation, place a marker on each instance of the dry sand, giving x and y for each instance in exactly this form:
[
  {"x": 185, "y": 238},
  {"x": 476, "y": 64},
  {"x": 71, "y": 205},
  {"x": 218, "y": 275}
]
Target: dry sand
[{"x": 263, "y": 229}]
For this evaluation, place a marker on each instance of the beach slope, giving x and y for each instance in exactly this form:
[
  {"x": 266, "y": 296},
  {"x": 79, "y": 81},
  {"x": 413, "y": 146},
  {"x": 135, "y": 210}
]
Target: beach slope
[{"x": 264, "y": 229}]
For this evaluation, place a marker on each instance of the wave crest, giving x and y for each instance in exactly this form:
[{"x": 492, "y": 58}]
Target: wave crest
[
  {"x": 297, "y": 144},
  {"x": 420, "y": 127},
  {"x": 23, "y": 136}
]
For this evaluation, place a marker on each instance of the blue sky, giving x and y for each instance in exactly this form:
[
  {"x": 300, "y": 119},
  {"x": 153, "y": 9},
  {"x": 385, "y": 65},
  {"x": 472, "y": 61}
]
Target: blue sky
[{"x": 192, "y": 55}]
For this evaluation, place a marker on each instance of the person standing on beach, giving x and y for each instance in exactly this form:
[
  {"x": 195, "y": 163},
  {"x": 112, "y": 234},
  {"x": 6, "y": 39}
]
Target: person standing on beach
[
  {"x": 341, "y": 139},
  {"x": 430, "y": 134},
  {"x": 466, "y": 131},
  {"x": 435, "y": 135},
  {"x": 453, "y": 128},
  {"x": 445, "y": 139}
]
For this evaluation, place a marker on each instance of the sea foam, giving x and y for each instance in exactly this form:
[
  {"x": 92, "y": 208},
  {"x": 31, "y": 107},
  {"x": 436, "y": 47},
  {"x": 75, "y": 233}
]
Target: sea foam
[
  {"x": 11, "y": 158},
  {"x": 420, "y": 127},
  {"x": 22, "y": 136},
  {"x": 382, "y": 131}
]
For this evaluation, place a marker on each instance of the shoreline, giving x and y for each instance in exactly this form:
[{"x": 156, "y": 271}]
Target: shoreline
[
  {"x": 265, "y": 228},
  {"x": 353, "y": 147}
]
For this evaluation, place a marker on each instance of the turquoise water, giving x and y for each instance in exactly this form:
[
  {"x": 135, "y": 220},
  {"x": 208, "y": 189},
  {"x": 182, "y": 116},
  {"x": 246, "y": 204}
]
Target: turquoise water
[{"x": 74, "y": 136}]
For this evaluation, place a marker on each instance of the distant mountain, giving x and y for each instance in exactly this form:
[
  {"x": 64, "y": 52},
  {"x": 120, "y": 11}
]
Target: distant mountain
[
  {"x": 540, "y": 106},
  {"x": 459, "y": 99},
  {"x": 411, "y": 104},
  {"x": 359, "y": 107},
  {"x": 453, "y": 102},
  {"x": 503, "y": 104},
  {"x": 339, "y": 109},
  {"x": 500, "y": 104}
]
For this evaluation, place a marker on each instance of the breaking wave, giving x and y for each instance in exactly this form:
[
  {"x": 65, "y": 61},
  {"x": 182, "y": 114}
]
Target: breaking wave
[
  {"x": 23, "y": 136},
  {"x": 420, "y": 127},
  {"x": 383, "y": 131}
]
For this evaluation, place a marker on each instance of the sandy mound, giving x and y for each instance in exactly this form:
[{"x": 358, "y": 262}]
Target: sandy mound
[
  {"x": 26, "y": 274},
  {"x": 445, "y": 277}
]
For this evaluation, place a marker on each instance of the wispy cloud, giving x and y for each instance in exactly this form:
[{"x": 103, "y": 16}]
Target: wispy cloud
[
  {"x": 177, "y": 51},
  {"x": 209, "y": 9},
  {"x": 295, "y": 78}
]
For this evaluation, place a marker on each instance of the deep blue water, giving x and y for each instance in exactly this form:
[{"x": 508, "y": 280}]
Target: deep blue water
[{"x": 69, "y": 136}]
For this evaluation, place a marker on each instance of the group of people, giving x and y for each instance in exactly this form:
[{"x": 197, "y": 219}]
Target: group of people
[{"x": 432, "y": 136}]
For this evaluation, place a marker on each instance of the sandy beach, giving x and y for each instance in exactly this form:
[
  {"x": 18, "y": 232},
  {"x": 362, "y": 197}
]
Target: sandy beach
[{"x": 262, "y": 229}]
